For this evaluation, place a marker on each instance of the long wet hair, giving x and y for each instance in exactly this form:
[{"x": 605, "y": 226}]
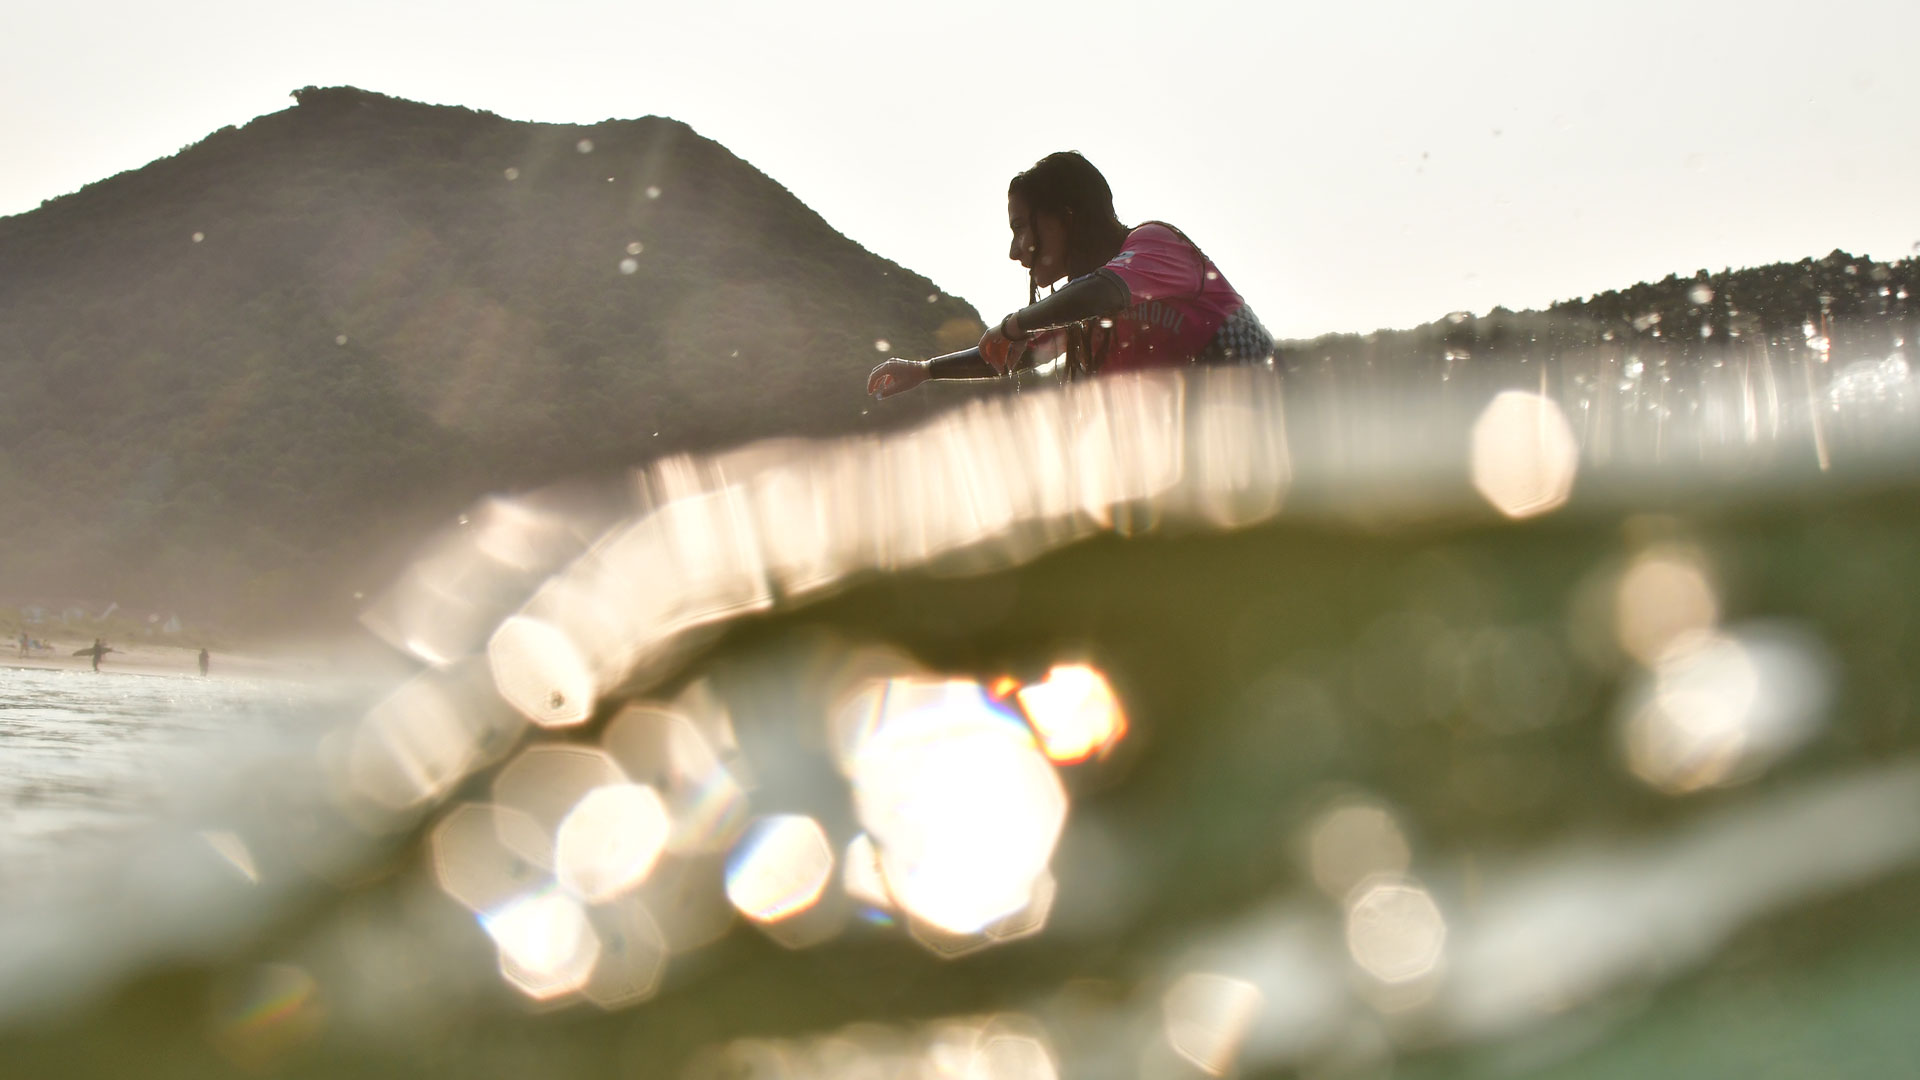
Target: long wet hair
[{"x": 1067, "y": 186}]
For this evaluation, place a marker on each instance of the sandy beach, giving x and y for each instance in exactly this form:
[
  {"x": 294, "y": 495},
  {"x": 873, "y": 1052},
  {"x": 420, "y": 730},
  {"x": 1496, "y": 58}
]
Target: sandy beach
[{"x": 146, "y": 658}]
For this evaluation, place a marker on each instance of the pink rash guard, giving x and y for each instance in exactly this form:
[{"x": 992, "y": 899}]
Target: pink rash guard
[{"x": 1177, "y": 300}]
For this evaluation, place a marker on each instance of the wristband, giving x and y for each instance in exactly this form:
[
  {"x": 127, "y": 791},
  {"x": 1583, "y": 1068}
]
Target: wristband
[{"x": 1010, "y": 320}]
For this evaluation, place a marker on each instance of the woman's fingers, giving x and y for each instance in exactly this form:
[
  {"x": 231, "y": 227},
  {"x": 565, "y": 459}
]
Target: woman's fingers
[
  {"x": 996, "y": 350},
  {"x": 895, "y": 376}
]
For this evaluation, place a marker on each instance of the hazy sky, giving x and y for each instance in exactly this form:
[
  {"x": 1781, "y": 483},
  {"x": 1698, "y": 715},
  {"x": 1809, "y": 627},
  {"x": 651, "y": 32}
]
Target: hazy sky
[{"x": 1349, "y": 166}]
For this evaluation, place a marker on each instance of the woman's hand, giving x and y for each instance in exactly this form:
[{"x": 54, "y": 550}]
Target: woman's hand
[
  {"x": 896, "y": 376},
  {"x": 1002, "y": 346}
]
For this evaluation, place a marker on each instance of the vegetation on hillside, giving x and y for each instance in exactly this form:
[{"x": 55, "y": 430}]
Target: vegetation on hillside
[{"x": 1846, "y": 303}]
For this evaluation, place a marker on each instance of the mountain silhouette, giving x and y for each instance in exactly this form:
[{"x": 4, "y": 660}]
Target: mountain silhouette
[{"x": 241, "y": 380}]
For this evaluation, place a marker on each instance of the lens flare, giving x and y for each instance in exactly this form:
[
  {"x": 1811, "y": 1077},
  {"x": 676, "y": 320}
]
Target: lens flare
[
  {"x": 963, "y": 806},
  {"x": 229, "y": 846},
  {"x": 779, "y": 868},
  {"x": 1075, "y": 713},
  {"x": 610, "y": 840},
  {"x": 266, "y": 1014},
  {"x": 1524, "y": 454}
]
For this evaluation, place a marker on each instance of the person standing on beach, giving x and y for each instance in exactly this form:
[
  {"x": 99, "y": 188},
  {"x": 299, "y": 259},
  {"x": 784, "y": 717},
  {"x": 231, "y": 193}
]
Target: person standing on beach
[
  {"x": 204, "y": 660},
  {"x": 97, "y": 650}
]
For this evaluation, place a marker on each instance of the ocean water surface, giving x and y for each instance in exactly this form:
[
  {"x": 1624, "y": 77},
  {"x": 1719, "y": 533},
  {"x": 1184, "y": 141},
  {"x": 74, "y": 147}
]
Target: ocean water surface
[{"x": 89, "y": 761}]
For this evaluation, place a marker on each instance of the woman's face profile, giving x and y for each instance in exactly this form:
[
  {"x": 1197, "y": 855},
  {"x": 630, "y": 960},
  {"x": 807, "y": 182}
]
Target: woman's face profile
[{"x": 1039, "y": 241}]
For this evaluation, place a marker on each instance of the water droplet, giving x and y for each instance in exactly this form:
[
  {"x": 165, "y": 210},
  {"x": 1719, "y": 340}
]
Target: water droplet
[
  {"x": 882, "y": 345},
  {"x": 1700, "y": 294},
  {"x": 585, "y": 146},
  {"x": 199, "y": 236},
  {"x": 933, "y": 297},
  {"x": 628, "y": 266},
  {"x": 512, "y": 173},
  {"x": 1706, "y": 330},
  {"x": 340, "y": 339},
  {"x": 653, "y": 192},
  {"x": 635, "y": 248},
  {"x": 1213, "y": 275},
  {"x": 609, "y": 179}
]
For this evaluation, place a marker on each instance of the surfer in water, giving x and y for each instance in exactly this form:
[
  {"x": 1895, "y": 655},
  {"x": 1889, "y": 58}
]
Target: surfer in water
[
  {"x": 96, "y": 650},
  {"x": 1135, "y": 298}
]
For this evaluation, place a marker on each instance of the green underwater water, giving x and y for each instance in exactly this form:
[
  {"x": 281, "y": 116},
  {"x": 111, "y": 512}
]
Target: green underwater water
[{"x": 1457, "y": 668}]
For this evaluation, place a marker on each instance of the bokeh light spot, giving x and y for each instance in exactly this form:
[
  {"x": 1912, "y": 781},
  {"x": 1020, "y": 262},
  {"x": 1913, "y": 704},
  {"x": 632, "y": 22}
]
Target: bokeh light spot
[
  {"x": 1207, "y": 1018},
  {"x": 546, "y": 782},
  {"x": 1011, "y": 1056},
  {"x": 610, "y": 840},
  {"x": 547, "y": 947},
  {"x": 1719, "y": 708},
  {"x": 779, "y": 867},
  {"x": 963, "y": 807},
  {"x": 541, "y": 672},
  {"x": 1075, "y": 713},
  {"x": 862, "y": 878},
  {"x": 1663, "y": 597},
  {"x": 584, "y": 146},
  {"x": 633, "y": 954},
  {"x": 1395, "y": 931},
  {"x": 1524, "y": 455},
  {"x": 1352, "y": 841},
  {"x": 412, "y": 746},
  {"x": 471, "y": 863},
  {"x": 661, "y": 746}
]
